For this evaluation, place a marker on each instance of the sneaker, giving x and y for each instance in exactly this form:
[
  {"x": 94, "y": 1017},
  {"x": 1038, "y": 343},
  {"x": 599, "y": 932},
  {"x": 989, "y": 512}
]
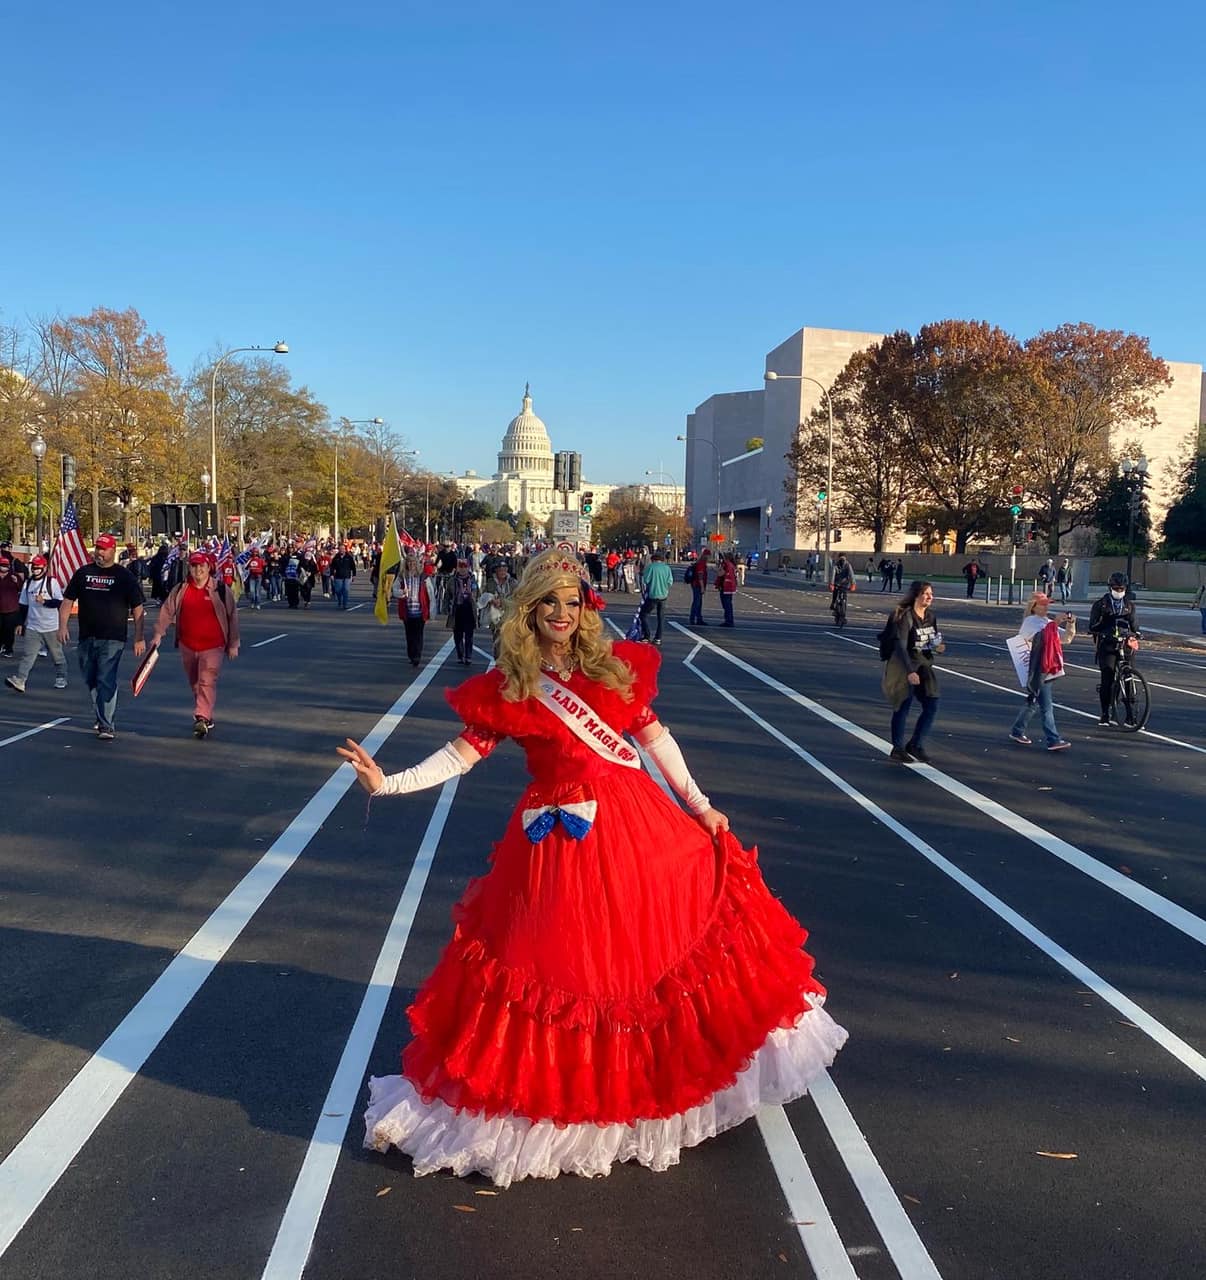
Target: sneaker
[
  {"x": 917, "y": 753},
  {"x": 1062, "y": 745},
  {"x": 209, "y": 724},
  {"x": 105, "y": 735},
  {"x": 1105, "y": 722},
  {"x": 900, "y": 754},
  {"x": 60, "y": 682},
  {"x": 14, "y": 683},
  {"x": 1021, "y": 739},
  {"x": 200, "y": 728}
]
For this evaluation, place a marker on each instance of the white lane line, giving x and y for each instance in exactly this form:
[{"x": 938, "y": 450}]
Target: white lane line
[
  {"x": 353, "y": 607},
  {"x": 295, "y": 1236},
  {"x": 50, "y": 724},
  {"x": 805, "y": 1204},
  {"x": 270, "y": 639},
  {"x": 766, "y": 604},
  {"x": 1175, "y": 662},
  {"x": 1172, "y": 914},
  {"x": 1158, "y": 1032},
  {"x": 37, "y": 1162},
  {"x": 1172, "y": 688},
  {"x": 895, "y": 1227}
]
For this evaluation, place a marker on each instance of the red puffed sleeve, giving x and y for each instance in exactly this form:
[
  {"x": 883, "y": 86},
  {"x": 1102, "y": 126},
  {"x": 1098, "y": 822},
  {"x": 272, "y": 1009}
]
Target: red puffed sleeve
[
  {"x": 479, "y": 703},
  {"x": 645, "y": 660}
]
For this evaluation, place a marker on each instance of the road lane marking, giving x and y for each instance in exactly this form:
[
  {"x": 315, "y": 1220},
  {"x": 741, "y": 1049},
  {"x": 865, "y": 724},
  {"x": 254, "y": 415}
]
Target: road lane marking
[
  {"x": 295, "y": 1236},
  {"x": 40, "y": 1159},
  {"x": 50, "y": 724},
  {"x": 270, "y": 639},
  {"x": 805, "y": 1203},
  {"x": 1157, "y": 1031},
  {"x": 353, "y": 607},
  {"x": 1162, "y": 908},
  {"x": 895, "y": 1226}
]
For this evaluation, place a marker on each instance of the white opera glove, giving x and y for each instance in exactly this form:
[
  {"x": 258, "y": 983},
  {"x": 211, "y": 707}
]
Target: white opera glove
[
  {"x": 668, "y": 756},
  {"x": 441, "y": 765}
]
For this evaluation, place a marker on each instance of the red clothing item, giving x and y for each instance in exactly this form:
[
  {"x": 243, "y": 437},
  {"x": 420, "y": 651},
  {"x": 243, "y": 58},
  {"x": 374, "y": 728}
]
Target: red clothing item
[
  {"x": 255, "y": 567},
  {"x": 197, "y": 625}
]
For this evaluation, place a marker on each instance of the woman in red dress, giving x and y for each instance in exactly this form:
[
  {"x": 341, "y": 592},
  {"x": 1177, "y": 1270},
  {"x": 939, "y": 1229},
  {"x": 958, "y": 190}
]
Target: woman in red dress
[{"x": 621, "y": 984}]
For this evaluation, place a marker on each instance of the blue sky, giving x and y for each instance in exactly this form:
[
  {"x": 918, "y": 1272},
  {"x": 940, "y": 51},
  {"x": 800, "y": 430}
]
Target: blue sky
[{"x": 626, "y": 204}]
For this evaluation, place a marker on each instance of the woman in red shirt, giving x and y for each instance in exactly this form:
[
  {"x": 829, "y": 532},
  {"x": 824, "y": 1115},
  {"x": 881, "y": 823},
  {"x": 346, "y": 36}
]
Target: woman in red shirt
[{"x": 207, "y": 627}]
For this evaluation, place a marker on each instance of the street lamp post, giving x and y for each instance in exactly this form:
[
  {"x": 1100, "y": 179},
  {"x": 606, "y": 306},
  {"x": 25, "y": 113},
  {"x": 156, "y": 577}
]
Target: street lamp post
[
  {"x": 803, "y": 377},
  {"x": 205, "y": 482},
  {"x": 279, "y": 349},
  {"x": 770, "y": 511},
  {"x": 37, "y": 447},
  {"x": 1134, "y": 476},
  {"x": 712, "y": 445},
  {"x": 289, "y": 495}
]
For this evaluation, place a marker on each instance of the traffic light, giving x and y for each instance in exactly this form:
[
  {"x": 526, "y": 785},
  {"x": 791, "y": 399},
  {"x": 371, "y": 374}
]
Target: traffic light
[
  {"x": 822, "y": 494},
  {"x": 837, "y": 535},
  {"x": 1016, "y": 509},
  {"x": 1019, "y": 530},
  {"x": 560, "y": 472},
  {"x": 588, "y": 502},
  {"x": 574, "y": 473}
]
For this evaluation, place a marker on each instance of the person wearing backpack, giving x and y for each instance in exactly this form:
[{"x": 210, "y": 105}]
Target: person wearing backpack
[
  {"x": 293, "y": 579},
  {"x": 207, "y": 629},
  {"x": 911, "y": 639}
]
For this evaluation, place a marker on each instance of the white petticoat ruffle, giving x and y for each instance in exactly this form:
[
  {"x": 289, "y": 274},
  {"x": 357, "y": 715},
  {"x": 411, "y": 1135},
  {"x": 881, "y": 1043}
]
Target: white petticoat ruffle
[{"x": 506, "y": 1148}]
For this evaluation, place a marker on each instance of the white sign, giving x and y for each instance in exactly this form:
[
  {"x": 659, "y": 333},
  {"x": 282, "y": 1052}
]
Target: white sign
[{"x": 565, "y": 524}]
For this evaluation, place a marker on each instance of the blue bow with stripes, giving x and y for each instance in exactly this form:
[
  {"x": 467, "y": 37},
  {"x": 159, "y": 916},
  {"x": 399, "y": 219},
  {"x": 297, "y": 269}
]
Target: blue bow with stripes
[{"x": 577, "y": 819}]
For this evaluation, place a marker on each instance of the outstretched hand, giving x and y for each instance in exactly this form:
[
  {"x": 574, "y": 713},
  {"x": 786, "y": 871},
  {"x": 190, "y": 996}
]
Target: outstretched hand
[
  {"x": 713, "y": 822},
  {"x": 368, "y": 772}
]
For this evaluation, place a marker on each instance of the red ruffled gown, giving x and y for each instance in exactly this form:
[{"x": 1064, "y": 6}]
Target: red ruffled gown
[{"x": 616, "y": 997}]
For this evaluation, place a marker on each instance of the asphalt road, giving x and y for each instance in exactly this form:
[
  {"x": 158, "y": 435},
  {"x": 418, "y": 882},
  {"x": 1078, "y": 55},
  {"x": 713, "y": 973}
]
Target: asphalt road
[{"x": 206, "y": 946}]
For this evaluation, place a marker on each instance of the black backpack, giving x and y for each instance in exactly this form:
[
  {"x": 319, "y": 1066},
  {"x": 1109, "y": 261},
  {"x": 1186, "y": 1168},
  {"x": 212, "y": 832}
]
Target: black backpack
[{"x": 887, "y": 639}]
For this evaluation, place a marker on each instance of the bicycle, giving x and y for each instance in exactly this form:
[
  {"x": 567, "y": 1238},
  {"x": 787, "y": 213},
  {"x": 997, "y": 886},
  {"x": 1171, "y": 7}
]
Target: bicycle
[
  {"x": 1130, "y": 699},
  {"x": 838, "y": 606}
]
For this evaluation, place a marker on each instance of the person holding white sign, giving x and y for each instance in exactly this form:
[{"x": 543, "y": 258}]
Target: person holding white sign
[
  {"x": 621, "y": 984},
  {"x": 1038, "y": 657}
]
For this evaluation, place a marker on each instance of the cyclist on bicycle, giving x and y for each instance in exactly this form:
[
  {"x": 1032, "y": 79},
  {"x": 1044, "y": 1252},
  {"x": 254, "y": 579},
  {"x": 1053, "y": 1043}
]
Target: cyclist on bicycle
[
  {"x": 843, "y": 580},
  {"x": 1113, "y": 626}
]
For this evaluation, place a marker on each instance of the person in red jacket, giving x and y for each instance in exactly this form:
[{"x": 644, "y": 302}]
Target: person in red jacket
[
  {"x": 207, "y": 629},
  {"x": 255, "y": 578},
  {"x": 726, "y": 584},
  {"x": 699, "y": 584}
]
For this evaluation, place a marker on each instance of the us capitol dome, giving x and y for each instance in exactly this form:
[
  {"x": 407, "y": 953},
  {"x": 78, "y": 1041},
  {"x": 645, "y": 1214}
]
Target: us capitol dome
[{"x": 524, "y": 479}]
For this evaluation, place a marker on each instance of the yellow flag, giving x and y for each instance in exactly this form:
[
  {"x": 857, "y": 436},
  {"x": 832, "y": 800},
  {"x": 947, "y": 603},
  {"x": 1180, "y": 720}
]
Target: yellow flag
[{"x": 391, "y": 555}]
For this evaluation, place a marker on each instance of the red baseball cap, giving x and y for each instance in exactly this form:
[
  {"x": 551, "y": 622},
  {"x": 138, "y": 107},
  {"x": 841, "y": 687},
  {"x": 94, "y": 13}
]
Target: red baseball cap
[
  {"x": 199, "y": 557},
  {"x": 38, "y": 560},
  {"x": 105, "y": 542}
]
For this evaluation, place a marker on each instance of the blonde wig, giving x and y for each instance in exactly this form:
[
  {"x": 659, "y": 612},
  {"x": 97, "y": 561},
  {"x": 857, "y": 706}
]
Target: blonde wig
[{"x": 518, "y": 648}]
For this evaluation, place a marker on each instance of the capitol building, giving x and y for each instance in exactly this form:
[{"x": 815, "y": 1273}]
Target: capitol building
[{"x": 524, "y": 479}]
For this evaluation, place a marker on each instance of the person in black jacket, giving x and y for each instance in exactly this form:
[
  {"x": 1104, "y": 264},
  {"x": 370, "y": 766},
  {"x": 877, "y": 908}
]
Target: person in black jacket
[
  {"x": 1112, "y": 624},
  {"x": 909, "y": 672}
]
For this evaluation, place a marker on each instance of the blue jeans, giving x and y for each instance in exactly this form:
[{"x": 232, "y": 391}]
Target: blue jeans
[
  {"x": 650, "y": 604},
  {"x": 696, "y": 604},
  {"x": 340, "y": 586},
  {"x": 1043, "y": 704},
  {"x": 900, "y": 717},
  {"x": 1203, "y": 613},
  {"x": 726, "y": 603},
  {"x": 98, "y": 666},
  {"x": 253, "y": 589}
]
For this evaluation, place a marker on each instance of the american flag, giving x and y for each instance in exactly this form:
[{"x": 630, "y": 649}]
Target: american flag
[
  {"x": 172, "y": 556},
  {"x": 406, "y": 540},
  {"x": 69, "y": 552}
]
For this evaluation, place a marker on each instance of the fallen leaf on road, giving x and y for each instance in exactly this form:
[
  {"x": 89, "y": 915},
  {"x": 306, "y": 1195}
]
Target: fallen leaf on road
[
  {"x": 1126, "y": 871},
  {"x": 485, "y": 1193},
  {"x": 1013, "y": 1040},
  {"x": 783, "y": 1257},
  {"x": 953, "y": 975},
  {"x": 1058, "y": 1155},
  {"x": 334, "y": 1113},
  {"x": 464, "y": 1208},
  {"x": 800, "y": 1222},
  {"x": 384, "y": 1191},
  {"x": 1122, "y": 1022},
  {"x": 911, "y": 1199}
]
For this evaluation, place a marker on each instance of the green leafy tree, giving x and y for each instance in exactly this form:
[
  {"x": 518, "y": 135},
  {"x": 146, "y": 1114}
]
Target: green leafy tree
[{"x": 1185, "y": 522}]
